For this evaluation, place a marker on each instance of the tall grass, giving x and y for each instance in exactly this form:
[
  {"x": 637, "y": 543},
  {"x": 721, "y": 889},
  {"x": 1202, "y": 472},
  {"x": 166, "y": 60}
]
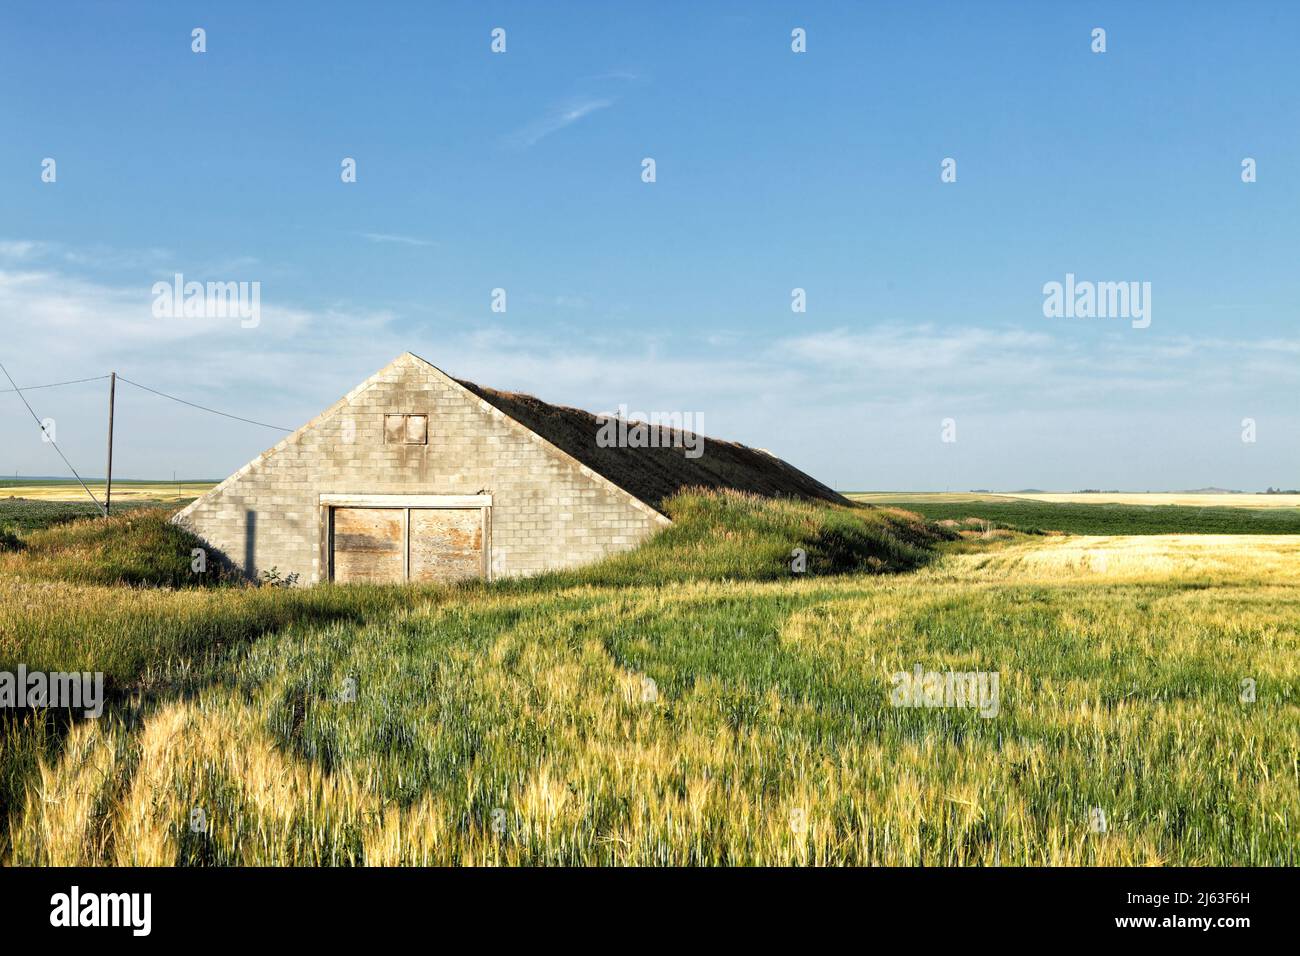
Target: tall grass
[
  {"x": 136, "y": 547},
  {"x": 739, "y": 718},
  {"x": 117, "y": 596}
]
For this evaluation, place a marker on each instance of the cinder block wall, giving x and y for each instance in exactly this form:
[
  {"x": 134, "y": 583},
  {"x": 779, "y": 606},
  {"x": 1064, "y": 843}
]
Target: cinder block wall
[{"x": 548, "y": 511}]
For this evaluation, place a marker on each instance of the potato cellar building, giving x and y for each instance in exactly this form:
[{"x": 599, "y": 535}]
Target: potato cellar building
[{"x": 417, "y": 476}]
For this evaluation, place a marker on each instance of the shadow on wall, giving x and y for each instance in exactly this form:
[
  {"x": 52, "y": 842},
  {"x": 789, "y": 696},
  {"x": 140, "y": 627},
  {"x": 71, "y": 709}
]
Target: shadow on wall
[{"x": 250, "y": 544}]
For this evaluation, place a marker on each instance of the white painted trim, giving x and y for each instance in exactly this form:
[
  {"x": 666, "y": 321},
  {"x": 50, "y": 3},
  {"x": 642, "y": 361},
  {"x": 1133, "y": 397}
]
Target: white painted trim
[{"x": 405, "y": 501}]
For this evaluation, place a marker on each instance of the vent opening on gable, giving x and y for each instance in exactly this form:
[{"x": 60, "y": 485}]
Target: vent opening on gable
[{"x": 406, "y": 429}]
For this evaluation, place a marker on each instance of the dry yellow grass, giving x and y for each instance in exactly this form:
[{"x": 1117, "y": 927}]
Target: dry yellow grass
[
  {"x": 1241, "y": 558},
  {"x": 122, "y": 493}
]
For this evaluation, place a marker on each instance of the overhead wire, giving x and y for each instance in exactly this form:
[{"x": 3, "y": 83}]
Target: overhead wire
[
  {"x": 50, "y": 438},
  {"x": 214, "y": 411}
]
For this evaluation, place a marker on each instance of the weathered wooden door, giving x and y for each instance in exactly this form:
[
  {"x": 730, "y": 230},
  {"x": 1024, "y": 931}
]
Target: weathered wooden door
[
  {"x": 369, "y": 544},
  {"x": 391, "y": 545},
  {"x": 446, "y": 544}
]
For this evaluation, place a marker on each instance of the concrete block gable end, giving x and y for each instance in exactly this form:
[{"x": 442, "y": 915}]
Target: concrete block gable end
[
  {"x": 547, "y": 510},
  {"x": 356, "y": 493}
]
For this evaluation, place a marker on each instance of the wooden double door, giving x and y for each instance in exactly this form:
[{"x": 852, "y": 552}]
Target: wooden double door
[{"x": 396, "y": 544}]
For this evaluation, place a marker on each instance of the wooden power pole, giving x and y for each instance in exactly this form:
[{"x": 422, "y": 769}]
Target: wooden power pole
[{"x": 108, "y": 480}]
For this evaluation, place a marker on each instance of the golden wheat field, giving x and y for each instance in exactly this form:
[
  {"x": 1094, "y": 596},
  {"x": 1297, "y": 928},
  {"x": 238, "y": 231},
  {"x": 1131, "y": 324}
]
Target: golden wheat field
[
  {"x": 723, "y": 722},
  {"x": 123, "y": 492}
]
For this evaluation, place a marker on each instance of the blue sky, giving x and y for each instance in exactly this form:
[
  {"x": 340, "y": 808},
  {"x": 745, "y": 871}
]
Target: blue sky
[{"x": 775, "y": 170}]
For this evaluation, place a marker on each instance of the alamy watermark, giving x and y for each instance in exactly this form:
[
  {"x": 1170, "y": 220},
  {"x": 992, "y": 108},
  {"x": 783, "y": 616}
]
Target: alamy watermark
[
  {"x": 1098, "y": 300},
  {"x": 128, "y": 910},
  {"x": 73, "y": 690},
  {"x": 213, "y": 300},
  {"x": 922, "y": 688},
  {"x": 656, "y": 430}
]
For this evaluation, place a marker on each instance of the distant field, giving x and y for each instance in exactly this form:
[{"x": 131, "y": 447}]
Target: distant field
[
  {"x": 124, "y": 491},
  {"x": 1154, "y": 498},
  {"x": 27, "y": 505},
  {"x": 1160, "y": 498},
  {"x": 1136, "y": 514},
  {"x": 22, "y": 515},
  {"x": 905, "y": 497}
]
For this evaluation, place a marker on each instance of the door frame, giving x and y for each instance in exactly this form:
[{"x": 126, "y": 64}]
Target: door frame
[{"x": 328, "y": 501}]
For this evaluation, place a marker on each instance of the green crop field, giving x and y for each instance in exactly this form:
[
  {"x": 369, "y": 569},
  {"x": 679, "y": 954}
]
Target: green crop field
[
  {"x": 28, "y": 504},
  {"x": 689, "y": 702},
  {"x": 27, "y": 514},
  {"x": 1034, "y": 516}
]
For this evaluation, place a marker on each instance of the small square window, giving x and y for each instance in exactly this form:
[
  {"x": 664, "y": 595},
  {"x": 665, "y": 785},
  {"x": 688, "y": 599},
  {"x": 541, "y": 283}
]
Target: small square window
[
  {"x": 417, "y": 429},
  {"x": 406, "y": 429}
]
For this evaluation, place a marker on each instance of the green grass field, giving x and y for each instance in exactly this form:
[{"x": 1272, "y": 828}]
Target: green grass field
[
  {"x": 26, "y": 514},
  {"x": 691, "y": 702},
  {"x": 1032, "y": 516},
  {"x": 30, "y": 504}
]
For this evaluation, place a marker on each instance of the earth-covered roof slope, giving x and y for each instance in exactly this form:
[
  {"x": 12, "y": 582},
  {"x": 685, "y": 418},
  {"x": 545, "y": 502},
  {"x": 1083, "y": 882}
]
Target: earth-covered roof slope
[{"x": 653, "y": 474}]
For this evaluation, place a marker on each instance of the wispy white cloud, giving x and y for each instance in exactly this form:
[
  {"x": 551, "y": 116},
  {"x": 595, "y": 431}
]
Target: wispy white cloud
[
  {"x": 21, "y": 249},
  {"x": 394, "y": 238},
  {"x": 556, "y": 119},
  {"x": 858, "y": 405},
  {"x": 908, "y": 349},
  {"x": 97, "y": 256}
]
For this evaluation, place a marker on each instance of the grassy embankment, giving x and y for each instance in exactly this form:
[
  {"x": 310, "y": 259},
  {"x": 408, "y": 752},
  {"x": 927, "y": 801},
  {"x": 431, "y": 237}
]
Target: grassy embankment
[{"x": 685, "y": 703}]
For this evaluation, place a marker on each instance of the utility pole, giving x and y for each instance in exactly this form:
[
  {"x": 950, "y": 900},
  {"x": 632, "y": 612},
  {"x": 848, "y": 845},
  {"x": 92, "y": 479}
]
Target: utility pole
[{"x": 108, "y": 481}]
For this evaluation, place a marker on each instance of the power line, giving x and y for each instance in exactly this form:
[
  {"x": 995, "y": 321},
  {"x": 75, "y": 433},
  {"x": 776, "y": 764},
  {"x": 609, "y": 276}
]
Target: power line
[
  {"x": 202, "y": 407},
  {"x": 75, "y": 381},
  {"x": 97, "y": 378},
  {"x": 100, "y": 378},
  {"x": 41, "y": 425}
]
